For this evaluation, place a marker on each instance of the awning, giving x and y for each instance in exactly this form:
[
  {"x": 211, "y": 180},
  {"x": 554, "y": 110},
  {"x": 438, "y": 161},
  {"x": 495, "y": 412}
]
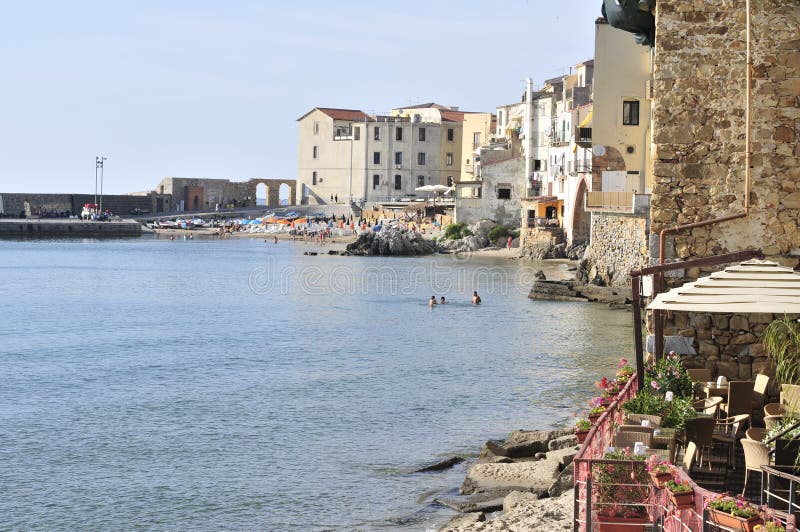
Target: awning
[
  {"x": 752, "y": 286},
  {"x": 588, "y": 120}
]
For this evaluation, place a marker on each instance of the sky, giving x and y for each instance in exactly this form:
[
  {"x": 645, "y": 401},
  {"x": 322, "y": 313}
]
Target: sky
[{"x": 213, "y": 89}]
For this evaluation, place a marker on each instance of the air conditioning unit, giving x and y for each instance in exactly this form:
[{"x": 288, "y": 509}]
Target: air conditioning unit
[{"x": 416, "y": 118}]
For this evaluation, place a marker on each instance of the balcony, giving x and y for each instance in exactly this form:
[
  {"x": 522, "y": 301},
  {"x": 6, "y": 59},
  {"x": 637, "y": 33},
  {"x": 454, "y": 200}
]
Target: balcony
[
  {"x": 343, "y": 133},
  {"x": 583, "y": 168},
  {"x": 542, "y": 223},
  {"x": 610, "y": 201},
  {"x": 583, "y": 137}
]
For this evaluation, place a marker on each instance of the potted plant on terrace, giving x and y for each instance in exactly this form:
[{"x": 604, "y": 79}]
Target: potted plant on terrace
[
  {"x": 597, "y": 408},
  {"x": 660, "y": 472},
  {"x": 624, "y": 371},
  {"x": 734, "y": 512},
  {"x": 770, "y": 526},
  {"x": 582, "y": 427},
  {"x": 680, "y": 493},
  {"x": 622, "y": 490}
]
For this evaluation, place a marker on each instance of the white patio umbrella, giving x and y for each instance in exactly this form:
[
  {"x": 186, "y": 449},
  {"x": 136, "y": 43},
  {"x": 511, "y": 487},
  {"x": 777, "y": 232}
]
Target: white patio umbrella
[
  {"x": 752, "y": 286},
  {"x": 435, "y": 189}
]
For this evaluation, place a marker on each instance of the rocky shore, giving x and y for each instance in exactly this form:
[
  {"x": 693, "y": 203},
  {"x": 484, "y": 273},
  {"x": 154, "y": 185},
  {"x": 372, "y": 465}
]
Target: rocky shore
[{"x": 521, "y": 483}]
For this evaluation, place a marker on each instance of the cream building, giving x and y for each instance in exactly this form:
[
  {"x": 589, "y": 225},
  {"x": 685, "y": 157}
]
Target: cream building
[{"x": 350, "y": 156}]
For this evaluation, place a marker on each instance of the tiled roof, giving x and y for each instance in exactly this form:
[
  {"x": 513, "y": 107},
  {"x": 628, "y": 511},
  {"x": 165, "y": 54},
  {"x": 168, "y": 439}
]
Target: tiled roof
[
  {"x": 452, "y": 116},
  {"x": 339, "y": 114},
  {"x": 429, "y": 105}
]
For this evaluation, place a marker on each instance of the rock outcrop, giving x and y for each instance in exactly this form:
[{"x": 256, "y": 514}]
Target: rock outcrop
[
  {"x": 391, "y": 241},
  {"x": 479, "y": 238}
]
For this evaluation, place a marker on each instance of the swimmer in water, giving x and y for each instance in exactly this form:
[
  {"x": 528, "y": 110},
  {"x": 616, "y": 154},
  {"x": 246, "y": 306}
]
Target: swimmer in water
[
  {"x": 432, "y": 301},
  {"x": 442, "y": 301},
  {"x": 476, "y": 299}
]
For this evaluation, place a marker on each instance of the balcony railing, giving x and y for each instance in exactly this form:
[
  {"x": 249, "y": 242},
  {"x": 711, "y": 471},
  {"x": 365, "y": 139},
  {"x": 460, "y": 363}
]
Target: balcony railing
[
  {"x": 583, "y": 168},
  {"x": 542, "y": 222},
  {"x": 583, "y": 137}
]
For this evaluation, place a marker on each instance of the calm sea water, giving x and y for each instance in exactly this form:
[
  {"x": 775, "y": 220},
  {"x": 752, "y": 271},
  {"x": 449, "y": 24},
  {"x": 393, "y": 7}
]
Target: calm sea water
[{"x": 243, "y": 385}]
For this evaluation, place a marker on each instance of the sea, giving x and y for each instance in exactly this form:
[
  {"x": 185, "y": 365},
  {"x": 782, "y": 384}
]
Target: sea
[{"x": 244, "y": 385}]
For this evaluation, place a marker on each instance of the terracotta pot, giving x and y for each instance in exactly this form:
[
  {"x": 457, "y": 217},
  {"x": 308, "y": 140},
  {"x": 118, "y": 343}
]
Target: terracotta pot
[
  {"x": 736, "y": 523},
  {"x": 621, "y": 524},
  {"x": 581, "y": 435},
  {"x": 682, "y": 500},
  {"x": 660, "y": 478},
  {"x": 593, "y": 418}
]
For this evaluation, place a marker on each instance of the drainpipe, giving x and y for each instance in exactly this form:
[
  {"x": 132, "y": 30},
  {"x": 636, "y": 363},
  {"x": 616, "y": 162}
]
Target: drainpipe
[
  {"x": 658, "y": 279},
  {"x": 528, "y": 129}
]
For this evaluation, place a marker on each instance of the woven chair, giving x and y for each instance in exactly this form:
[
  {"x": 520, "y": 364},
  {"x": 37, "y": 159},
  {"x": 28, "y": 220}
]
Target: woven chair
[
  {"x": 628, "y": 438},
  {"x": 700, "y": 431},
  {"x": 760, "y": 391},
  {"x": 740, "y": 398},
  {"x": 771, "y": 421},
  {"x": 636, "y": 419},
  {"x": 755, "y": 433},
  {"x": 774, "y": 409},
  {"x": 699, "y": 377},
  {"x": 689, "y": 456},
  {"x": 636, "y": 428},
  {"x": 708, "y": 406},
  {"x": 728, "y": 430},
  {"x": 756, "y": 454}
]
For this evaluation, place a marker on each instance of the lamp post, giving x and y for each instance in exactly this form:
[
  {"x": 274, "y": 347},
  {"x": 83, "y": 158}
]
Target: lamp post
[{"x": 98, "y": 163}]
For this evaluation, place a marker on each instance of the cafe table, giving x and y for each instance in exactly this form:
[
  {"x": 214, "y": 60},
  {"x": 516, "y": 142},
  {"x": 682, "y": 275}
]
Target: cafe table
[{"x": 712, "y": 389}]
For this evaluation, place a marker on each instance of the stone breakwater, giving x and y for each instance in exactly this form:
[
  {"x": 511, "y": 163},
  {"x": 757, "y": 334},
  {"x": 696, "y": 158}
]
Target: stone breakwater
[
  {"x": 23, "y": 227},
  {"x": 528, "y": 476}
]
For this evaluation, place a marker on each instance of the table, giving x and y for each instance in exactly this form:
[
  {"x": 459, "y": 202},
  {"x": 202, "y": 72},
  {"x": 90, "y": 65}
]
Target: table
[{"x": 712, "y": 390}]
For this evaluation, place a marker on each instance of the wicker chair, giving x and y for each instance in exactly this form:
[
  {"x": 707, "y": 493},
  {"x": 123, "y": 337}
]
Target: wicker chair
[
  {"x": 708, "y": 406},
  {"x": 740, "y": 398},
  {"x": 636, "y": 428},
  {"x": 700, "y": 431},
  {"x": 756, "y": 454},
  {"x": 728, "y": 430},
  {"x": 689, "y": 456},
  {"x": 755, "y": 433},
  {"x": 634, "y": 419},
  {"x": 774, "y": 409},
  {"x": 699, "y": 377},
  {"x": 628, "y": 438}
]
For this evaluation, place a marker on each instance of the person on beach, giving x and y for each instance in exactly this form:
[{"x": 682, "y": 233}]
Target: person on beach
[
  {"x": 442, "y": 301},
  {"x": 509, "y": 241},
  {"x": 276, "y": 238},
  {"x": 432, "y": 302},
  {"x": 476, "y": 299}
]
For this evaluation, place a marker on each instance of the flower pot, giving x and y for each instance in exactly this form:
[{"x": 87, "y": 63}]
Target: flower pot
[
  {"x": 682, "y": 499},
  {"x": 594, "y": 417},
  {"x": 660, "y": 478},
  {"x": 736, "y": 523},
  {"x": 581, "y": 435},
  {"x": 621, "y": 524}
]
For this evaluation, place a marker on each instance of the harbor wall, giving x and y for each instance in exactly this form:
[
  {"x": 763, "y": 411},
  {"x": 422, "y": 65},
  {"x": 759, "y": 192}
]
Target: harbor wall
[{"x": 21, "y": 227}]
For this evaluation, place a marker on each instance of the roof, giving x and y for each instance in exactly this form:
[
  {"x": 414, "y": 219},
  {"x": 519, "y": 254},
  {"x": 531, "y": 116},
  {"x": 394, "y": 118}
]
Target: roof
[
  {"x": 430, "y": 105},
  {"x": 339, "y": 114},
  {"x": 452, "y": 116},
  {"x": 752, "y": 286}
]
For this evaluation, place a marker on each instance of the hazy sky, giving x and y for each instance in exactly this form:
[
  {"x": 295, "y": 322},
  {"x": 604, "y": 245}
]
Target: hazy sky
[{"x": 200, "y": 88}]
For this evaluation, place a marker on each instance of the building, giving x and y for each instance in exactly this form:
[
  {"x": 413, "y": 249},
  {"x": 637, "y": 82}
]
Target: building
[
  {"x": 346, "y": 155},
  {"x": 182, "y": 194}
]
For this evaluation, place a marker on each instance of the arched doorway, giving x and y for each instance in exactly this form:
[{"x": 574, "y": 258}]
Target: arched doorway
[
  {"x": 261, "y": 194},
  {"x": 284, "y": 192},
  {"x": 581, "y": 220}
]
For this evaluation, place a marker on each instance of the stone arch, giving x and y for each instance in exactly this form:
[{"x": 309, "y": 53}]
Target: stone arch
[
  {"x": 285, "y": 192},
  {"x": 262, "y": 194},
  {"x": 581, "y": 219},
  {"x": 273, "y": 190}
]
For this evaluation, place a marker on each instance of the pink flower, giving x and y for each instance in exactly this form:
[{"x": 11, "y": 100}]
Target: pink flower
[
  {"x": 622, "y": 363},
  {"x": 655, "y": 385}
]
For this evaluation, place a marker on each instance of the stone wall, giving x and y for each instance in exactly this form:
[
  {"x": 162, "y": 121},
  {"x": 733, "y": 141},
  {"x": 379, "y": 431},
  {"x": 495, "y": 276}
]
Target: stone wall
[
  {"x": 541, "y": 242},
  {"x": 727, "y": 344},
  {"x": 618, "y": 245},
  {"x": 699, "y": 126}
]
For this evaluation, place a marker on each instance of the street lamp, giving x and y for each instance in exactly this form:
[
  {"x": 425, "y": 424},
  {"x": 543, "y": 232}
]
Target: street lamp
[{"x": 98, "y": 163}]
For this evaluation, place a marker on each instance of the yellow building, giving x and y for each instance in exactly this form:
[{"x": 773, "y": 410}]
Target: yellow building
[{"x": 478, "y": 129}]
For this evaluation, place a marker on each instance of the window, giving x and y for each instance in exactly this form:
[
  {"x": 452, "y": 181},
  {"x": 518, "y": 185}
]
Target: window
[
  {"x": 376, "y": 181},
  {"x": 476, "y": 140},
  {"x": 420, "y": 180},
  {"x": 377, "y": 133},
  {"x": 315, "y": 152},
  {"x": 504, "y": 193},
  {"x": 451, "y": 134},
  {"x": 630, "y": 113},
  {"x": 448, "y": 159},
  {"x": 356, "y": 133},
  {"x": 376, "y": 157},
  {"x": 398, "y": 133},
  {"x": 422, "y": 134},
  {"x": 449, "y": 181},
  {"x": 398, "y": 182},
  {"x": 313, "y": 178},
  {"x": 398, "y": 157},
  {"x": 421, "y": 158},
  {"x": 316, "y": 128},
  {"x": 537, "y": 165}
]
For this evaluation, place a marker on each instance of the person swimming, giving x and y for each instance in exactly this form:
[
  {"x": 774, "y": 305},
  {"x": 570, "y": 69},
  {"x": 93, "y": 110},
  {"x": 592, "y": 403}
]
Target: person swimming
[
  {"x": 442, "y": 301},
  {"x": 432, "y": 301},
  {"x": 476, "y": 299}
]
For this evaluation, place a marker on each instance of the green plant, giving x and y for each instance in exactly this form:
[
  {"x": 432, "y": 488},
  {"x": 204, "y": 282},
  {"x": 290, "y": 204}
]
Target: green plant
[
  {"x": 677, "y": 487},
  {"x": 780, "y": 426},
  {"x": 624, "y": 371},
  {"x": 668, "y": 374},
  {"x": 735, "y": 506},
  {"x": 497, "y": 232},
  {"x": 582, "y": 425},
  {"x": 622, "y": 486},
  {"x": 674, "y": 414},
  {"x": 781, "y": 339},
  {"x": 658, "y": 468},
  {"x": 456, "y": 231}
]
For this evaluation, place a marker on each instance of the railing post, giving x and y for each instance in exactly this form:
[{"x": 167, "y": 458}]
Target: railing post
[
  {"x": 589, "y": 497},
  {"x": 792, "y": 496},
  {"x": 576, "y": 507}
]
